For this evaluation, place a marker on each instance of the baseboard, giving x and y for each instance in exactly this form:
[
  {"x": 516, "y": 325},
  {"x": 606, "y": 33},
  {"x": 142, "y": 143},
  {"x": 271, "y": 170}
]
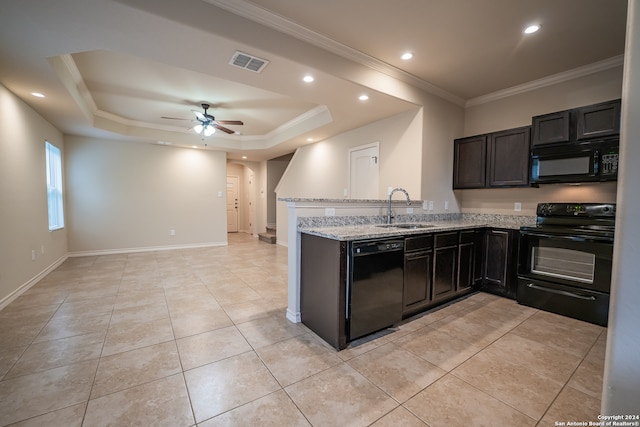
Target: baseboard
[
  {"x": 281, "y": 243},
  {"x": 26, "y": 286},
  {"x": 294, "y": 317},
  {"x": 146, "y": 249}
]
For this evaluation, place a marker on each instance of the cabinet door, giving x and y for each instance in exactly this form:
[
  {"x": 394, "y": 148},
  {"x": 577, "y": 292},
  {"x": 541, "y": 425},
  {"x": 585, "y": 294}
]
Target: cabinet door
[
  {"x": 551, "y": 128},
  {"x": 465, "y": 266},
  {"x": 445, "y": 257},
  {"x": 496, "y": 257},
  {"x": 469, "y": 162},
  {"x": 417, "y": 280},
  {"x": 599, "y": 120},
  {"x": 501, "y": 262},
  {"x": 508, "y": 158}
]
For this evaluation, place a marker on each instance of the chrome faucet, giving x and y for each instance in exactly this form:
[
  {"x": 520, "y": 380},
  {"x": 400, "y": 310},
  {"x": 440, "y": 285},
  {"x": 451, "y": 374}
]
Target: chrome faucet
[{"x": 389, "y": 214}]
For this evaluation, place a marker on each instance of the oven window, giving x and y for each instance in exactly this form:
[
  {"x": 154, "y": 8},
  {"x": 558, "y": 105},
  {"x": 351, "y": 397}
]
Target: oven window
[
  {"x": 568, "y": 166},
  {"x": 564, "y": 263}
]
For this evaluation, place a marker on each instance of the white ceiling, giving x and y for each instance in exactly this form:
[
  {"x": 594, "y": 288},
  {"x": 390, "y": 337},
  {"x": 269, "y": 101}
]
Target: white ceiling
[{"x": 114, "y": 68}]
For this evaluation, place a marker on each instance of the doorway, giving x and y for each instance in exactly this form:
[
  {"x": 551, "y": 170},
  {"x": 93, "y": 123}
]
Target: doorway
[
  {"x": 232, "y": 203},
  {"x": 363, "y": 171}
]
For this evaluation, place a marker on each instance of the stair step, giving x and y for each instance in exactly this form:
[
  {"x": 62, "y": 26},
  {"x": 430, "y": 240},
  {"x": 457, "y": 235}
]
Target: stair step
[
  {"x": 267, "y": 237},
  {"x": 271, "y": 229}
]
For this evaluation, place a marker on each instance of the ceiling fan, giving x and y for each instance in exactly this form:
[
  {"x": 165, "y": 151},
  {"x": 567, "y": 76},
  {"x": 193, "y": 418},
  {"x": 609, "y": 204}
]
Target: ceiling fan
[{"x": 207, "y": 124}]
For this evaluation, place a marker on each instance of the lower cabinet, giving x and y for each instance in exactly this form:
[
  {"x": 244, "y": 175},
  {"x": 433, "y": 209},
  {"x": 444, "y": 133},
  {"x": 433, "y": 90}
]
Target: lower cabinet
[
  {"x": 437, "y": 268},
  {"x": 418, "y": 267},
  {"x": 500, "y": 262}
]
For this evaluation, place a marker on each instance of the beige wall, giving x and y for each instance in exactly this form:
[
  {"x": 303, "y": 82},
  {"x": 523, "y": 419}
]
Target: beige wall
[
  {"x": 23, "y": 198},
  {"x": 517, "y": 111},
  {"x": 126, "y": 195},
  {"x": 320, "y": 170}
]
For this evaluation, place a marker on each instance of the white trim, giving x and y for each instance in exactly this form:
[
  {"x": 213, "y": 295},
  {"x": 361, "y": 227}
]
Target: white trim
[
  {"x": 575, "y": 73},
  {"x": 146, "y": 249},
  {"x": 282, "y": 243},
  {"x": 27, "y": 285}
]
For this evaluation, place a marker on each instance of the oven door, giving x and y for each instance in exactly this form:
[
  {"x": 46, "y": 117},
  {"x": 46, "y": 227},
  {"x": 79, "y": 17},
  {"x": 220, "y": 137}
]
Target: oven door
[
  {"x": 565, "y": 274},
  {"x": 572, "y": 260}
]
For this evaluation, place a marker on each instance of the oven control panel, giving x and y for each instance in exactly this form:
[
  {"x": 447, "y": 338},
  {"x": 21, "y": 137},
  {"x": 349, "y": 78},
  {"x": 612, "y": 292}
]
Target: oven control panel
[{"x": 592, "y": 210}]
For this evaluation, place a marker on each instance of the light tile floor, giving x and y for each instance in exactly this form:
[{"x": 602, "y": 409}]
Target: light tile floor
[{"x": 199, "y": 337}]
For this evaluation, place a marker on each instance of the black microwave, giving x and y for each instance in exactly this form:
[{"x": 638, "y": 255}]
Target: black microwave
[{"x": 591, "y": 161}]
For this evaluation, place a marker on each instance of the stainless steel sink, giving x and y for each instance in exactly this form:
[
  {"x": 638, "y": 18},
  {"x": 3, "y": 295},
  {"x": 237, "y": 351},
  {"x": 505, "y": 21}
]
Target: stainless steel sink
[{"x": 408, "y": 226}]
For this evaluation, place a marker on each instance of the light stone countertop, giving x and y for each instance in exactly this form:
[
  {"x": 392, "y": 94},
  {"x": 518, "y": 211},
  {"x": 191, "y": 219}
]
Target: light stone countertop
[{"x": 374, "y": 230}]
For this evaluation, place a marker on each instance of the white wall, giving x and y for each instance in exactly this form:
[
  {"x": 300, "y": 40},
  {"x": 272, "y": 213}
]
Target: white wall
[
  {"x": 127, "y": 195},
  {"x": 517, "y": 111},
  {"x": 320, "y": 170},
  {"x": 621, "y": 388},
  {"x": 23, "y": 198}
]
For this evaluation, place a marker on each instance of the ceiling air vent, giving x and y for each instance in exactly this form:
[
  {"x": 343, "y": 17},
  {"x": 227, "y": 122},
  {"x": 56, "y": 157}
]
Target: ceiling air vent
[{"x": 248, "y": 62}]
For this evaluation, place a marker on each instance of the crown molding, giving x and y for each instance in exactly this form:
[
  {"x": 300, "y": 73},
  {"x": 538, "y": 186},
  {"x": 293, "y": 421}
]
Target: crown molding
[
  {"x": 575, "y": 73},
  {"x": 262, "y": 16}
]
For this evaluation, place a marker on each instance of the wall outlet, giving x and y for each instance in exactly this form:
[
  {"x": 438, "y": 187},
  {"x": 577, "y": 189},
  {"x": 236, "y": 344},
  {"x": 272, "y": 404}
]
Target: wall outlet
[
  {"x": 446, "y": 205},
  {"x": 345, "y": 193},
  {"x": 430, "y": 205},
  {"x": 219, "y": 193},
  {"x": 329, "y": 211},
  {"x": 172, "y": 232},
  {"x": 409, "y": 210},
  {"x": 517, "y": 206},
  {"x": 42, "y": 249},
  {"x": 425, "y": 205},
  {"x": 33, "y": 255}
]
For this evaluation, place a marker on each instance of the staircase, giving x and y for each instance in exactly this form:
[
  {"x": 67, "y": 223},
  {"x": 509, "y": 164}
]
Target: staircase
[{"x": 269, "y": 236}]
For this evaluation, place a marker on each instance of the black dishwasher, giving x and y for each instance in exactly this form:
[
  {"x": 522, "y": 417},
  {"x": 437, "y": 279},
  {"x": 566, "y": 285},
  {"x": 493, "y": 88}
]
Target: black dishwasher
[{"x": 375, "y": 286}]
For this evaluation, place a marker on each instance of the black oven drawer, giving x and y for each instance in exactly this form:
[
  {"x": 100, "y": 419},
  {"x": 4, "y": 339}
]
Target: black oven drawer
[{"x": 582, "y": 304}]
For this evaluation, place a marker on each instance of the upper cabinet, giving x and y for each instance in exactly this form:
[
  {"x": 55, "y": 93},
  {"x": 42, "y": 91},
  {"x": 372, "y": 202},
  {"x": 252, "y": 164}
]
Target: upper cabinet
[
  {"x": 551, "y": 128},
  {"x": 469, "y": 161},
  {"x": 499, "y": 159},
  {"x": 578, "y": 124},
  {"x": 600, "y": 120},
  {"x": 508, "y": 158}
]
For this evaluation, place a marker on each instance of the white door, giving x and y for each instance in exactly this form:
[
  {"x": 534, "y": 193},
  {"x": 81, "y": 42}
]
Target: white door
[
  {"x": 363, "y": 172},
  {"x": 232, "y": 204}
]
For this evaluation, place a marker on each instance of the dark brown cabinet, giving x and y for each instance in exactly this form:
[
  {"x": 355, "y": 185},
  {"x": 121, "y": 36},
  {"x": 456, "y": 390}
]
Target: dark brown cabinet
[
  {"x": 445, "y": 261},
  {"x": 600, "y": 120},
  {"x": 418, "y": 261},
  {"x": 466, "y": 254},
  {"x": 500, "y": 262},
  {"x": 469, "y": 162},
  {"x": 499, "y": 159},
  {"x": 551, "y": 128},
  {"x": 323, "y": 279},
  {"x": 508, "y": 158}
]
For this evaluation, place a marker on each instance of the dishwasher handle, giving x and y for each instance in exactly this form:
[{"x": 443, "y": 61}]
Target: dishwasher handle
[{"x": 367, "y": 248}]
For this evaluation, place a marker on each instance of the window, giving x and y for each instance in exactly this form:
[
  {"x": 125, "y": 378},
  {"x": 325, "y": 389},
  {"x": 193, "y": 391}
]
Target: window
[{"x": 54, "y": 187}]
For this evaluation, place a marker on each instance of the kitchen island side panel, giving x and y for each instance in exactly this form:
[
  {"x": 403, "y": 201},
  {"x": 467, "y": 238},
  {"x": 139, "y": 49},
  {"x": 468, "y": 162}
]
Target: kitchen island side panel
[{"x": 323, "y": 279}]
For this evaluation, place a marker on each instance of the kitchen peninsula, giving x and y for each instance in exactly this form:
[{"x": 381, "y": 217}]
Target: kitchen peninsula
[{"x": 439, "y": 257}]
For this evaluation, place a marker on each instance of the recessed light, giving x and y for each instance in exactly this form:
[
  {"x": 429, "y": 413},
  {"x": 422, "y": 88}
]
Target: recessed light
[
  {"x": 194, "y": 146},
  {"x": 363, "y": 97},
  {"x": 37, "y": 94},
  {"x": 244, "y": 157},
  {"x": 531, "y": 29},
  {"x": 308, "y": 78},
  {"x": 309, "y": 139},
  {"x": 406, "y": 56}
]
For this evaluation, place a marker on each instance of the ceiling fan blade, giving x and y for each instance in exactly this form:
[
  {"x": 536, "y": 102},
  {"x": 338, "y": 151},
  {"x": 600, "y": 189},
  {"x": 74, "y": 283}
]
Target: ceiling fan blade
[
  {"x": 172, "y": 118},
  {"x": 200, "y": 116},
  {"x": 230, "y": 122},
  {"x": 223, "y": 129}
]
